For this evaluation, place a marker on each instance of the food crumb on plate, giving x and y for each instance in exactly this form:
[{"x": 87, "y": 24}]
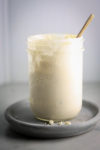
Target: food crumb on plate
[
  {"x": 51, "y": 122},
  {"x": 67, "y": 123}
]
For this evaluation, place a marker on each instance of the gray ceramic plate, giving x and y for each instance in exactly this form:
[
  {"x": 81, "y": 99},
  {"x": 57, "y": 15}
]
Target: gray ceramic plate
[{"x": 21, "y": 119}]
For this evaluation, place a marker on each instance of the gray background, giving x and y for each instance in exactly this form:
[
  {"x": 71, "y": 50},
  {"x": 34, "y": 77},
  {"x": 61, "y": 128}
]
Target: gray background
[
  {"x": 21, "y": 18},
  {"x": 18, "y": 20}
]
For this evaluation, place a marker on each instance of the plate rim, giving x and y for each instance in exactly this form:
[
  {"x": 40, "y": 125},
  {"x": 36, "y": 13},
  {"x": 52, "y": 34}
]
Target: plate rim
[{"x": 93, "y": 120}]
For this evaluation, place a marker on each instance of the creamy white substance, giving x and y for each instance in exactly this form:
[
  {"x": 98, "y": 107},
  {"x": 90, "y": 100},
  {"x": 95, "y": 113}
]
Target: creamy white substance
[{"x": 55, "y": 70}]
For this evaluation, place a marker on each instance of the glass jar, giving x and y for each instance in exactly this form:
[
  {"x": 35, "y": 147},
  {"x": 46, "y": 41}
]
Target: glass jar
[{"x": 55, "y": 76}]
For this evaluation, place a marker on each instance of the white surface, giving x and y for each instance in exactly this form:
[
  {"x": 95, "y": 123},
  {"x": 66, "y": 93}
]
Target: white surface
[{"x": 23, "y": 18}]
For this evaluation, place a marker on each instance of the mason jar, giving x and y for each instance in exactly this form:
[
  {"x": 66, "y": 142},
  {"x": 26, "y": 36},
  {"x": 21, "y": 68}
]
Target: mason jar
[{"x": 55, "y": 76}]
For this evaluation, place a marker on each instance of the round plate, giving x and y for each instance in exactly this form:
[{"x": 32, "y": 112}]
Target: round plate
[{"x": 22, "y": 120}]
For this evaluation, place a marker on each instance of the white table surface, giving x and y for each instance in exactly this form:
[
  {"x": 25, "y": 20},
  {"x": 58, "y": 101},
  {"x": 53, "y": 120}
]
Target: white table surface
[{"x": 9, "y": 140}]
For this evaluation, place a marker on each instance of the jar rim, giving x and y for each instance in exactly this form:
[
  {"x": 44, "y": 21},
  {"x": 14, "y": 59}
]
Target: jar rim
[
  {"x": 54, "y": 36},
  {"x": 42, "y": 42}
]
